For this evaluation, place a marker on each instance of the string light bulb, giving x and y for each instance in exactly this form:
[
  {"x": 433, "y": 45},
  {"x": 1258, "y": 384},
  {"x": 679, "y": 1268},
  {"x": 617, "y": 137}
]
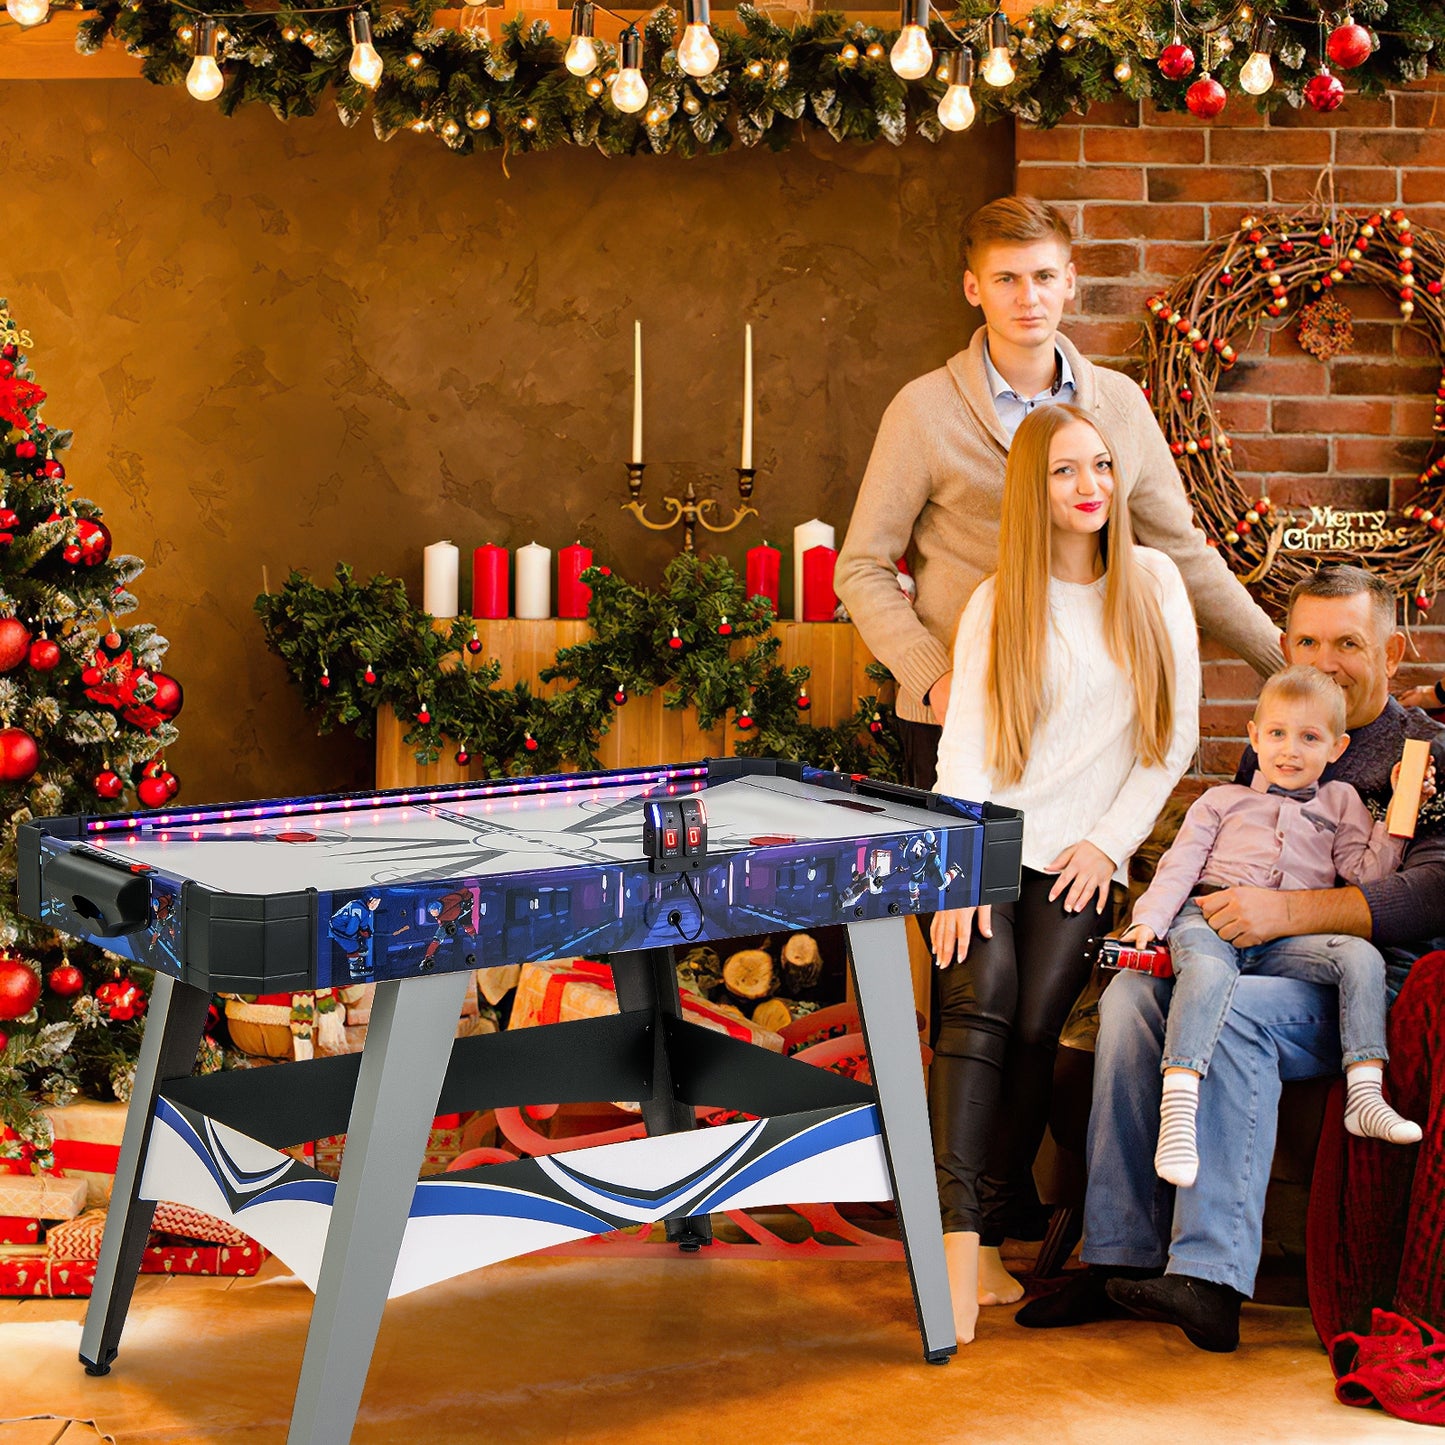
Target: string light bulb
[
  {"x": 26, "y": 13},
  {"x": 1256, "y": 75},
  {"x": 998, "y": 69},
  {"x": 912, "y": 55},
  {"x": 365, "y": 65},
  {"x": 629, "y": 89},
  {"x": 204, "y": 79},
  {"x": 581, "y": 56},
  {"x": 698, "y": 54},
  {"x": 956, "y": 110}
]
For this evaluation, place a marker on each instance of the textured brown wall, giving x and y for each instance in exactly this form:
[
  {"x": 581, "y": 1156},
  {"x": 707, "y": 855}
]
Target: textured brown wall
[{"x": 292, "y": 345}]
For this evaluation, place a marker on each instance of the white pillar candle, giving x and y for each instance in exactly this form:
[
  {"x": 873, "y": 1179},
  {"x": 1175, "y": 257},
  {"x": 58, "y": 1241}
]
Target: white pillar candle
[
  {"x": 637, "y": 391},
  {"x": 809, "y": 534},
  {"x": 534, "y": 581},
  {"x": 439, "y": 579},
  {"x": 747, "y": 460}
]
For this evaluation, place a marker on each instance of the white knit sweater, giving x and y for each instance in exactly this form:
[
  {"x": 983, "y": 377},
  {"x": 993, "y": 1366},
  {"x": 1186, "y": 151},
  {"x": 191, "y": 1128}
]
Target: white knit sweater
[{"x": 1083, "y": 779}]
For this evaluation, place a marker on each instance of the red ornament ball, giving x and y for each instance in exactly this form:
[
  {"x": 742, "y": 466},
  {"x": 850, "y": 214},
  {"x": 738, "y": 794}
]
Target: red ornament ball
[
  {"x": 14, "y": 643},
  {"x": 54, "y": 469},
  {"x": 530, "y": 743},
  {"x": 44, "y": 654},
  {"x": 424, "y": 716},
  {"x": 1206, "y": 97},
  {"x": 474, "y": 644},
  {"x": 876, "y": 726},
  {"x": 1324, "y": 92},
  {"x": 19, "y": 987},
  {"x": 463, "y": 757},
  {"x": 25, "y": 450},
  {"x": 1423, "y": 603},
  {"x": 66, "y": 980},
  {"x": 92, "y": 543},
  {"x": 369, "y": 676},
  {"x": 108, "y": 784},
  {"x": 724, "y": 628},
  {"x": 7, "y": 369},
  {"x": 112, "y": 641},
  {"x": 1349, "y": 45},
  {"x": 620, "y": 696},
  {"x": 804, "y": 702},
  {"x": 19, "y": 755},
  {"x": 744, "y": 722},
  {"x": 675, "y": 642},
  {"x": 1176, "y": 61},
  {"x": 153, "y": 792},
  {"x": 325, "y": 679}
]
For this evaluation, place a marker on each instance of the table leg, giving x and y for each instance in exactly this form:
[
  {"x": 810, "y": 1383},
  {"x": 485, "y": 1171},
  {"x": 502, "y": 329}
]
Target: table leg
[
  {"x": 646, "y": 981},
  {"x": 879, "y": 952},
  {"x": 175, "y": 1021},
  {"x": 408, "y": 1046}
]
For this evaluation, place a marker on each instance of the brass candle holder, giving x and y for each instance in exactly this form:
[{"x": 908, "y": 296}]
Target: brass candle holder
[{"x": 689, "y": 509}]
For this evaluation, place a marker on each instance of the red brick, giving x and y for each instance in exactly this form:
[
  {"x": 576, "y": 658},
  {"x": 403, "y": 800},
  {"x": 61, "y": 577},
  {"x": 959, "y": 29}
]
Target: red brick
[
  {"x": 1223, "y": 219},
  {"x": 1230, "y": 679},
  {"x": 1103, "y": 338},
  {"x": 1374, "y": 456},
  {"x": 1106, "y": 258},
  {"x": 1159, "y": 223},
  {"x": 1396, "y": 147},
  {"x": 1366, "y": 378},
  {"x": 1237, "y": 118},
  {"x": 1406, "y": 489},
  {"x": 1414, "y": 415},
  {"x": 1205, "y": 183},
  {"x": 1282, "y": 453},
  {"x": 1284, "y": 342},
  {"x": 1077, "y": 183},
  {"x": 1374, "y": 338},
  {"x": 1170, "y": 258},
  {"x": 1243, "y": 413},
  {"x": 1107, "y": 113},
  {"x": 1286, "y": 490},
  {"x": 1332, "y": 416},
  {"x": 1362, "y": 113},
  {"x": 1224, "y": 719},
  {"x": 1418, "y": 109},
  {"x": 1283, "y": 378},
  {"x": 1256, "y": 148},
  {"x": 1220, "y": 759},
  {"x": 1371, "y": 303},
  {"x": 1426, "y": 186},
  {"x": 1373, "y": 187},
  {"x": 1116, "y": 298},
  {"x": 1060, "y": 144},
  {"x": 1175, "y": 147},
  {"x": 1429, "y": 643}
]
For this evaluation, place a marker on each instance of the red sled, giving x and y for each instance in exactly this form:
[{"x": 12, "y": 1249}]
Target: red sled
[{"x": 1153, "y": 960}]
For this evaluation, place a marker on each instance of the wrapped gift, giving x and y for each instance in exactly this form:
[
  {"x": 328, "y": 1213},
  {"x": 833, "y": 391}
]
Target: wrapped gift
[
  {"x": 16, "y": 1229},
  {"x": 577, "y": 988},
  {"x": 444, "y": 1143},
  {"x": 41, "y": 1196},
  {"x": 173, "y": 1225},
  {"x": 43, "y": 1276},
  {"x": 87, "y": 1144}
]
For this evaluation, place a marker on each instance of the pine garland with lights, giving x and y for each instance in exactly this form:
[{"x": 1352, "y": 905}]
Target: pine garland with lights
[
  {"x": 353, "y": 647},
  {"x": 85, "y": 714},
  {"x": 772, "y": 81},
  {"x": 1270, "y": 270}
]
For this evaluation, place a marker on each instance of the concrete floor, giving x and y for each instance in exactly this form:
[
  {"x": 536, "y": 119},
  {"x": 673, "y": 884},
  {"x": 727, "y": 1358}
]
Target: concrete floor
[{"x": 677, "y": 1349}]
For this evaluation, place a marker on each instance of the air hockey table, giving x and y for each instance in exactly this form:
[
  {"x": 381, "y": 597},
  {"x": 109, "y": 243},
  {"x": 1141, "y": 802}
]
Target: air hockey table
[{"x": 413, "y": 890}]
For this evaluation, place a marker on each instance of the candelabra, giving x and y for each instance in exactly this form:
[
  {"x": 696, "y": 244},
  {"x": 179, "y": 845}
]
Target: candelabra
[{"x": 689, "y": 509}]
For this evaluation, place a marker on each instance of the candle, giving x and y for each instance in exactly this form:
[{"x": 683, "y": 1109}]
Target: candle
[
  {"x": 809, "y": 534},
  {"x": 819, "y": 600},
  {"x": 763, "y": 570},
  {"x": 747, "y": 397},
  {"x": 572, "y": 595},
  {"x": 637, "y": 391},
  {"x": 439, "y": 579},
  {"x": 534, "y": 581},
  {"x": 490, "y": 568}
]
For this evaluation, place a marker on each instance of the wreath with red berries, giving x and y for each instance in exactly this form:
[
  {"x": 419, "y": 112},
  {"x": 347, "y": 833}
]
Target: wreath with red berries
[{"x": 1272, "y": 268}]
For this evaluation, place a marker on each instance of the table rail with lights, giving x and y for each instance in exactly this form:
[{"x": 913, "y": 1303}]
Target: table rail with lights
[{"x": 412, "y": 890}]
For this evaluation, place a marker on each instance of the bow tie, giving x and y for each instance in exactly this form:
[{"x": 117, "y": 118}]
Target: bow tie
[{"x": 1300, "y": 795}]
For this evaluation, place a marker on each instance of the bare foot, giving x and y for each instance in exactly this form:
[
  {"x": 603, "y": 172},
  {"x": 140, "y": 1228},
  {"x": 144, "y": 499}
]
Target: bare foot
[
  {"x": 996, "y": 1286},
  {"x": 960, "y": 1252}
]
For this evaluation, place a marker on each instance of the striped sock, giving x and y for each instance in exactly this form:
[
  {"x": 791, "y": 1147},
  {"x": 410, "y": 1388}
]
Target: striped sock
[
  {"x": 1177, "y": 1157},
  {"x": 1367, "y": 1115}
]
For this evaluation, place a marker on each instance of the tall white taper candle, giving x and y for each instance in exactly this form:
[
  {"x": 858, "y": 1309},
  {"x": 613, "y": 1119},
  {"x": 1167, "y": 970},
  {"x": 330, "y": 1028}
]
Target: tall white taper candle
[
  {"x": 637, "y": 391},
  {"x": 747, "y": 460}
]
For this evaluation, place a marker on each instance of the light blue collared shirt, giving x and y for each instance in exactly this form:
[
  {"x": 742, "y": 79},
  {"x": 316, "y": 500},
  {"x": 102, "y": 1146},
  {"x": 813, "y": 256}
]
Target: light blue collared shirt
[{"x": 1013, "y": 408}]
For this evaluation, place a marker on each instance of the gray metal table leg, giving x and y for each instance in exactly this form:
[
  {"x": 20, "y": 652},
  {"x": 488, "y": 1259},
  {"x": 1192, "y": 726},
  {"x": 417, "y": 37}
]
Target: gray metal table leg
[
  {"x": 408, "y": 1046},
  {"x": 174, "y": 1025},
  {"x": 879, "y": 951}
]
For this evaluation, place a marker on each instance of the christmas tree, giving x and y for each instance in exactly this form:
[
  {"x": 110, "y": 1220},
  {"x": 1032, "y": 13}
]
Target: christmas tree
[{"x": 85, "y": 716}]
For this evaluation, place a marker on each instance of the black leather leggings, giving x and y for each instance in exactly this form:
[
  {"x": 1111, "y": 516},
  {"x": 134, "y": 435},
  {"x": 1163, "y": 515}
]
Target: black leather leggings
[{"x": 1000, "y": 1014}]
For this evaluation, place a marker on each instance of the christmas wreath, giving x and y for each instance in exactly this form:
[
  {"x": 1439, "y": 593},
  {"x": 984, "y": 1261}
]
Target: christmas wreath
[
  {"x": 353, "y": 646},
  {"x": 1283, "y": 270}
]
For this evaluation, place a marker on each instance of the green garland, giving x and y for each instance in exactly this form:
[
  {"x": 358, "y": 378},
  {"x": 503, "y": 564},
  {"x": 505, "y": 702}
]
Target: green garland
[
  {"x": 475, "y": 93},
  {"x": 355, "y": 646}
]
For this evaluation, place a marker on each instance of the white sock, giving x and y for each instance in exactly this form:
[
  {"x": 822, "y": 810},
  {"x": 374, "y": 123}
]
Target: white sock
[
  {"x": 1177, "y": 1157},
  {"x": 1367, "y": 1115}
]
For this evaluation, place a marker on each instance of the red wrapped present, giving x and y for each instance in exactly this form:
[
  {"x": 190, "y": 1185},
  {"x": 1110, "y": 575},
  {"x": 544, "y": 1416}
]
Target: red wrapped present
[
  {"x": 42, "y": 1276},
  {"x": 15, "y": 1229}
]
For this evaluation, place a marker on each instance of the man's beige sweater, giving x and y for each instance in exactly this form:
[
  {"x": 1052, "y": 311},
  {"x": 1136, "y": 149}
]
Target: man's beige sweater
[{"x": 933, "y": 490}]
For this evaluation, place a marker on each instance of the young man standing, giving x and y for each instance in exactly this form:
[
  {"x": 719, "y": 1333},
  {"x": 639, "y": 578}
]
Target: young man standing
[{"x": 935, "y": 479}]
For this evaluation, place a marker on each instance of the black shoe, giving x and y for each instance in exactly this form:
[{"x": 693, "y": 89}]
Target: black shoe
[
  {"x": 1082, "y": 1301},
  {"x": 1208, "y": 1313}
]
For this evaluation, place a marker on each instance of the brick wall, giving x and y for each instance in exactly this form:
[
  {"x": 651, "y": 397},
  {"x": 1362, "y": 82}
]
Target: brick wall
[{"x": 1146, "y": 191}]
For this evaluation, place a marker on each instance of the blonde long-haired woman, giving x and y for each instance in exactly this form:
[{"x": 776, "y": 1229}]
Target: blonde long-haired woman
[{"x": 1076, "y": 699}]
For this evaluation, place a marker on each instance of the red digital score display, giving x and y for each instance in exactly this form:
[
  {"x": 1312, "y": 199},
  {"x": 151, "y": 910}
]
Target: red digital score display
[
  {"x": 670, "y": 837},
  {"x": 694, "y": 835}
]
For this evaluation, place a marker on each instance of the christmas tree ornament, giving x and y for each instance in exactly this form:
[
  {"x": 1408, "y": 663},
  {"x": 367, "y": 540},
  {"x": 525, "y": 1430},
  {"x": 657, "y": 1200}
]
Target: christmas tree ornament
[
  {"x": 325, "y": 678},
  {"x": 530, "y": 743},
  {"x": 1176, "y": 61},
  {"x": 1325, "y": 93},
  {"x": 66, "y": 980},
  {"x": 1349, "y": 44},
  {"x": 9, "y": 522},
  {"x": 423, "y": 715},
  {"x": 7, "y": 369},
  {"x": 620, "y": 696},
  {"x": 724, "y": 628},
  {"x": 474, "y": 644},
  {"x": 19, "y": 987},
  {"x": 744, "y": 720},
  {"x": 369, "y": 676},
  {"x": 92, "y": 544},
  {"x": 463, "y": 756},
  {"x": 19, "y": 755},
  {"x": 44, "y": 654},
  {"x": 153, "y": 792},
  {"x": 803, "y": 701},
  {"x": 112, "y": 641},
  {"x": 108, "y": 784},
  {"x": 675, "y": 641},
  {"x": 875, "y": 724},
  {"x": 14, "y": 643},
  {"x": 25, "y": 450},
  {"x": 1206, "y": 98}
]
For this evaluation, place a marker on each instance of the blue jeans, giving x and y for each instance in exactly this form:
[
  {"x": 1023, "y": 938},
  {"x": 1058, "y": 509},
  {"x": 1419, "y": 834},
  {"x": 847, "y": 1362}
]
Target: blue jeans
[
  {"x": 1276, "y": 1029},
  {"x": 1206, "y": 969}
]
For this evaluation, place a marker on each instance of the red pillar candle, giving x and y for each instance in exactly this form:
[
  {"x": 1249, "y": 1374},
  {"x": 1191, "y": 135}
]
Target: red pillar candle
[
  {"x": 490, "y": 567},
  {"x": 763, "y": 571},
  {"x": 819, "y": 601},
  {"x": 572, "y": 595}
]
